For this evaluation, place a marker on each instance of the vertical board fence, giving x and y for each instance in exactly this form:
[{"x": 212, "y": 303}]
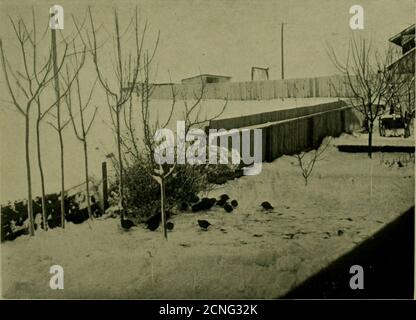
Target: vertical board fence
[
  {"x": 294, "y": 135},
  {"x": 329, "y": 86}
]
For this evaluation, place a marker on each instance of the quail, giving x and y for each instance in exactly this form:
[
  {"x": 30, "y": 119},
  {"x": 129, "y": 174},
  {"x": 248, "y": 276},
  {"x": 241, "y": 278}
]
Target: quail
[
  {"x": 126, "y": 224},
  {"x": 228, "y": 207},
  {"x": 204, "y": 224},
  {"x": 266, "y": 205}
]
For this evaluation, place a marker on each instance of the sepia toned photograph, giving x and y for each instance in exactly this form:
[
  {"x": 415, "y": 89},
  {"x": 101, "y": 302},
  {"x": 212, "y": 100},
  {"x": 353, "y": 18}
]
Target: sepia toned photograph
[{"x": 198, "y": 150}]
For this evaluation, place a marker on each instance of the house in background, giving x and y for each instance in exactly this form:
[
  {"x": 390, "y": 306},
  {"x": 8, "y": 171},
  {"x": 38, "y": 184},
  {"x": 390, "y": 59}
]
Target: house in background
[
  {"x": 206, "y": 78},
  {"x": 405, "y": 40}
]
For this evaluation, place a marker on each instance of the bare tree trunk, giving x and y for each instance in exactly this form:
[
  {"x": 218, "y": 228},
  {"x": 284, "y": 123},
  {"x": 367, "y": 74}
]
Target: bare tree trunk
[
  {"x": 87, "y": 179},
  {"x": 42, "y": 177},
  {"x": 61, "y": 144},
  {"x": 370, "y": 139},
  {"x": 59, "y": 128},
  {"x": 29, "y": 179},
  {"x": 120, "y": 163},
  {"x": 162, "y": 207}
]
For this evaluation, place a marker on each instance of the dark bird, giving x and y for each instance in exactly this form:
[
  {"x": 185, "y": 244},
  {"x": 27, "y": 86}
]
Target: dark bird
[
  {"x": 169, "y": 225},
  {"x": 266, "y": 205},
  {"x": 234, "y": 203},
  {"x": 206, "y": 203},
  {"x": 204, "y": 224},
  {"x": 153, "y": 222},
  {"x": 221, "y": 202},
  {"x": 224, "y": 197},
  {"x": 400, "y": 164},
  {"x": 126, "y": 224},
  {"x": 340, "y": 232},
  {"x": 183, "y": 206},
  {"x": 228, "y": 207}
]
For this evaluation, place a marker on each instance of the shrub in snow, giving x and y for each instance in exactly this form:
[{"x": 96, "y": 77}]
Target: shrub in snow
[{"x": 142, "y": 192}]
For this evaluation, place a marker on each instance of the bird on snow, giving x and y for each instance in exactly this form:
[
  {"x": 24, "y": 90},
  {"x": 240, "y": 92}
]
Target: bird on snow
[
  {"x": 234, "y": 203},
  {"x": 266, "y": 205},
  {"x": 126, "y": 224},
  {"x": 169, "y": 225},
  {"x": 221, "y": 202},
  {"x": 207, "y": 203},
  {"x": 228, "y": 207},
  {"x": 204, "y": 224},
  {"x": 224, "y": 197},
  {"x": 153, "y": 222}
]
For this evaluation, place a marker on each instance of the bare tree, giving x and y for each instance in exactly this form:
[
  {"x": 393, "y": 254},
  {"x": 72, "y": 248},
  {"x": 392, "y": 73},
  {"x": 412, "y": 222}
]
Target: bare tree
[
  {"x": 126, "y": 70},
  {"x": 40, "y": 116},
  {"x": 59, "y": 124},
  {"x": 82, "y": 129},
  {"x": 29, "y": 81},
  {"x": 368, "y": 79},
  {"x": 307, "y": 159}
]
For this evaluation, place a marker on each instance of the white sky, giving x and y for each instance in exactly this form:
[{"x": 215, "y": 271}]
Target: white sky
[{"x": 230, "y": 36}]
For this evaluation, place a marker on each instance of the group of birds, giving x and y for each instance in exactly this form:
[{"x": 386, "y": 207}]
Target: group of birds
[
  {"x": 223, "y": 201},
  {"x": 152, "y": 223},
  {"x": 207, "y": 203},
  {"x": 197, "y": 205}
]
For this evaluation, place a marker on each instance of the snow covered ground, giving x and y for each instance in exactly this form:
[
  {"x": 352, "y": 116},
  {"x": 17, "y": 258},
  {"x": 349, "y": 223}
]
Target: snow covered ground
[{"x": 244, "y": 254}]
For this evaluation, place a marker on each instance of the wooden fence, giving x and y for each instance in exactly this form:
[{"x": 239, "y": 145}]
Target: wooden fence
[
  {"x": 329, "y": 86},
  {"x": 273, "y": 116},
  {"x": 294, "y": 135}
]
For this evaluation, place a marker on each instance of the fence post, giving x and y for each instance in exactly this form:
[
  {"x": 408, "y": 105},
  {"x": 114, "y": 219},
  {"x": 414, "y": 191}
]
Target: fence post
[{"x": 105, "y": 185}]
